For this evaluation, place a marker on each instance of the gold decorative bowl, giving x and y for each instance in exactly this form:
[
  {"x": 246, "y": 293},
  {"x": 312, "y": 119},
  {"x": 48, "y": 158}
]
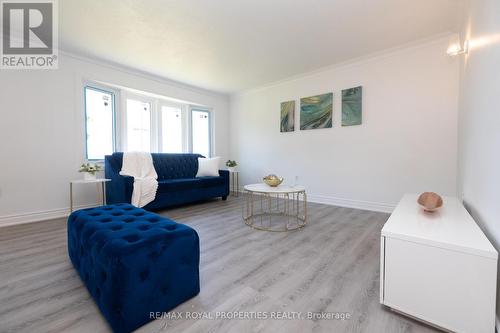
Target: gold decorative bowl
[{"x": 272, "y": 180}]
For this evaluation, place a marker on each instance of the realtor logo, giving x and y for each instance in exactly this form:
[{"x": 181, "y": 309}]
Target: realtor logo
[{"x": 29, "y": 34}]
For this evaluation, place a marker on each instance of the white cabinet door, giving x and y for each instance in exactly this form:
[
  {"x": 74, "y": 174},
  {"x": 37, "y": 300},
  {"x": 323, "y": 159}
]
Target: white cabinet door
[{"x": 450, "y": 289}]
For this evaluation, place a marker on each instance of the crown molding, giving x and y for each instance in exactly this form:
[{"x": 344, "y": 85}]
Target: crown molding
[{"x": 358, "y": 61}]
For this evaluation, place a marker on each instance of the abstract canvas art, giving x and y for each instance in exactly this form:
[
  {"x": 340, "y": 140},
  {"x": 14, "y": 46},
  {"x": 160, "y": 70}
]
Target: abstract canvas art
[
  {"x": 287, "y": 116},
  {"x": 316, "y": 111},
  {"x": 352, "y": 106}
]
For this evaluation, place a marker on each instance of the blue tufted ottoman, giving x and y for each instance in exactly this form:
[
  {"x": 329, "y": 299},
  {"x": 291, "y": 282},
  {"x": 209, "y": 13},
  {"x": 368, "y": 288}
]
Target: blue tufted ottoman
[{"x": 133, "y": 262}]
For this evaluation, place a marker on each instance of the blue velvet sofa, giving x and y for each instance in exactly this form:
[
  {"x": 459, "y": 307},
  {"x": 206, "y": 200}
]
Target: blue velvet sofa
[
  {"x": 133, "y": 262},
  {"x": 177, "y": 182}
]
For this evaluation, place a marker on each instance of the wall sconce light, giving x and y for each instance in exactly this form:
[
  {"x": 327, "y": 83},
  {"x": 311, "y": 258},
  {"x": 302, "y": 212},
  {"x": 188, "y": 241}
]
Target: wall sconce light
[{"x": 457, "y": 48}]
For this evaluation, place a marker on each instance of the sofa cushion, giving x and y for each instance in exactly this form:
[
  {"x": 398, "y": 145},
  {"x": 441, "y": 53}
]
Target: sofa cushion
[
  {"x": 211, "y": 181},
  {"x": 173, "y": 185}
]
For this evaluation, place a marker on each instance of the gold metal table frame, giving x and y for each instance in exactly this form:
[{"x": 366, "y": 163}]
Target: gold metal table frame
[
  {"x": 281, "y": 208},
  {"x": 234, "y": 180}
]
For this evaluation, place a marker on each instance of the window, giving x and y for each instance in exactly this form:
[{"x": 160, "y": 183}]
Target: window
[
  {"x": 121, "y": 119},
  {"x": 99, "y": 122},
  {"x": 138, "y": 120},
  {"x": 200, "y": 132},
  {"x": 171, "y": 129}
]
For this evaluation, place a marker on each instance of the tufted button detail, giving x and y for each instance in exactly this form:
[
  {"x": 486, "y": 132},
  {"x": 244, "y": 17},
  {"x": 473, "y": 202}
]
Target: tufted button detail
[
  {"x": 131, "y": 238},
  {"x": 173, "y": 166},
  {"x": 118, "y": 227},
  {"x": 106, "y": 220},
  {"x": 165, "y": 244},
  {"x": 144, "y": 227},
  {"x": 117, "y": 213},
  {"x": 129, "y": 219},
  {"x": 170, "y": 227}
]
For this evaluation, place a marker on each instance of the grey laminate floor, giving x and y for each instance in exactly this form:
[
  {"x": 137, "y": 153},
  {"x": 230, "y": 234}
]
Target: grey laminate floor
[{"x": 332, "y": 265}]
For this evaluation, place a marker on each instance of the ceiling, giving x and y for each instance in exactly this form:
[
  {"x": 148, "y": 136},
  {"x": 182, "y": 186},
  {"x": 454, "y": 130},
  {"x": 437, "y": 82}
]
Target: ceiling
[{"x": 232, "y": 45}]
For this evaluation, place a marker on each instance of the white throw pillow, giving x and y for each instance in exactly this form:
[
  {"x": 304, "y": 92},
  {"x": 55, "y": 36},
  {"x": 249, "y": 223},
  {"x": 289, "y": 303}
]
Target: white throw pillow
[{"x": 208, "y": 167}]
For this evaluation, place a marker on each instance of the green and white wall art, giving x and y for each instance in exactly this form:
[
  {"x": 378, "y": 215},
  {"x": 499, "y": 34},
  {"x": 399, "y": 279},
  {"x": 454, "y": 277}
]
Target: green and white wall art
[
  {"x": 352, "y": 106},
  {"x": 287, "y": 116},
  {"x": 316, "y": 111}
]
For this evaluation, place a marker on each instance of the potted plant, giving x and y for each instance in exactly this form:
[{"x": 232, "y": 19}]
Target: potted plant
[
  {"x": 231, "y": 165},
  {"x": 89, "y": 170}
]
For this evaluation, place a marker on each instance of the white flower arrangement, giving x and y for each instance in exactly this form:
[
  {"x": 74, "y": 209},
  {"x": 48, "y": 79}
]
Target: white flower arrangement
[{"x": 90, "y": 168}]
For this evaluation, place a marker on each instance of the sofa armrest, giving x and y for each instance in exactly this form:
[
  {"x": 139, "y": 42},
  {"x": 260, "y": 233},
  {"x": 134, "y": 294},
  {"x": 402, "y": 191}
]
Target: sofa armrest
[
  {"x": 119, "y": 189},
  {"x": 225, "y": 174}
]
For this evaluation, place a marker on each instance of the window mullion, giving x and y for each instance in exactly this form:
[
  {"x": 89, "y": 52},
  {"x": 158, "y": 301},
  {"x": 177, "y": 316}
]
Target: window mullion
[
  {"x": 154, "y": 126},
  {"x": 159, "y": 135}
]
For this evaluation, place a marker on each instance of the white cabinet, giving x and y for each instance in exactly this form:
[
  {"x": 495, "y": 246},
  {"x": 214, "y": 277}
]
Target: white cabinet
[{"x": 438, "y": 267}]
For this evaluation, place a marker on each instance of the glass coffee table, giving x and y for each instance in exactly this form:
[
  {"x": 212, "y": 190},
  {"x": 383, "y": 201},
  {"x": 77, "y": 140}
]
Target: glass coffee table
[{"x": 281, "y": 208}]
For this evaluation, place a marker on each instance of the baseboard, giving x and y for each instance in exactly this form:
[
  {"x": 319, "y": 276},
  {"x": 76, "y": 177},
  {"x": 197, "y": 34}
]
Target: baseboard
[
  {"x": 349, "y": 203},
  {"x": 497, "y": 324},
  {"x": 8, "y": 220}
]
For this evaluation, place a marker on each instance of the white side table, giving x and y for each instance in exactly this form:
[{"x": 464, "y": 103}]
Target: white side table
[
  {"x": 101, "y": 185},
  {"x": 234, "y": 181}
]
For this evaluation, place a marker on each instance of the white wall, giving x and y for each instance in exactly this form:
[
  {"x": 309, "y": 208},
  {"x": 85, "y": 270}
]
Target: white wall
[
  {"x": 42, "y": 132},
  {"x": 407, "y": 142},
  {"x": 479, "y": 130}
]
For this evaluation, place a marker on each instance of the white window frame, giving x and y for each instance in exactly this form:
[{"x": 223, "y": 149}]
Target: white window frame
[
  {"x": 210, "y": 128},
  {"x": 116, "y": 117},
  {"x": 184, "y": 124},
  {"x": 153, "y": 120},
  {"x": 120, "y": 118}
]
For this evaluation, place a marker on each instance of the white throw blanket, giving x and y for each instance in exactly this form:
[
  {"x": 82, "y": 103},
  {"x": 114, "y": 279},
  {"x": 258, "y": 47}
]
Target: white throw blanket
[{"x": 140, "y": 166}]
